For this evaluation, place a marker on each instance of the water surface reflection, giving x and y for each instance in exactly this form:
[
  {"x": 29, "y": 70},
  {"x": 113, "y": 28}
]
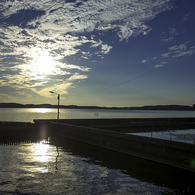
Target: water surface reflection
[{"x": 62, "y": 166}]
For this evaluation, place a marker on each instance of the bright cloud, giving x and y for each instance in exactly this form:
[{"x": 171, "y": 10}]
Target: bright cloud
[
  {"x": 37, "y": 38},
  {"x": 82, "y": 68},
  {"x": 77, "y": 76},
  {"x": 58, "y": 88}
]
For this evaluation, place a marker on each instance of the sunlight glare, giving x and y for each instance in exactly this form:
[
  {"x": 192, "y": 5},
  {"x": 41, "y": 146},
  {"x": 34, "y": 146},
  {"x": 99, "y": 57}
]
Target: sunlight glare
[
  {"x": 42, "y": 152},
  {"x": 42, "y": 110},
  {"x": 38, "y": 157},
  {"x": 42, "y": 63}
]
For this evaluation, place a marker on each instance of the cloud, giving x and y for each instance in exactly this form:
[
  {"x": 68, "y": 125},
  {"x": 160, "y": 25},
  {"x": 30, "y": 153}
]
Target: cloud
[
  {"x": 181, "y": 50},
  {"x": 77, "y": 76},
  {"x": 82, "y": 68},
  {"x": 96, "y": 43},
  {"x": 183, "y": 53},
  {"x": 37, "y": 38},
  {"x": 158, "y": 65},
  {"x": 57, "y": 88},
  {"x": 166, "y": 55},
  {"x": 7, "y": 98},
  {"x": 23, "y": 17},
  {"x": 178, "y": 47},
  {"x": 23, "y": 93},
  {"x": 186, "y": 17},
  {"x": 161, "y": 64},
  {"x": 169, "y": 35},
  {"x": 143, "y": 61},
  {"x": 55, "y": 18},
  {"x": 106, "y": 48}
]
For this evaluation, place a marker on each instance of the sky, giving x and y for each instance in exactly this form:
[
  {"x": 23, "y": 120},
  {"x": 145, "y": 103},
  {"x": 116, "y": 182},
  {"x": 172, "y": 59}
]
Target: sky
[{"x": 119, "y": 53}]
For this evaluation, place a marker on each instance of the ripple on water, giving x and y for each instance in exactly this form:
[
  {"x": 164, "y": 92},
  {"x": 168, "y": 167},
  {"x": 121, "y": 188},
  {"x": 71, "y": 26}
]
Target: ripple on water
[{"x": 42, "y": 168}]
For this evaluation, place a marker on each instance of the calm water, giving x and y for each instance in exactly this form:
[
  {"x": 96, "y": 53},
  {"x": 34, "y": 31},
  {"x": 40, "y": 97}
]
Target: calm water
[
  {"x": 185, "y": 135},
  {"x": 57, "y": 166},
  {"x": 61, "y": 166},
  {"x": 28, "y": 114}
]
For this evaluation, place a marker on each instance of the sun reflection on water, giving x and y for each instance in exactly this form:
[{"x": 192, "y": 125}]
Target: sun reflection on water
[
  {"x": 41, "y": 110},
  {"x": 39, "y": 157},
  {"x": 42, "y": 152}
]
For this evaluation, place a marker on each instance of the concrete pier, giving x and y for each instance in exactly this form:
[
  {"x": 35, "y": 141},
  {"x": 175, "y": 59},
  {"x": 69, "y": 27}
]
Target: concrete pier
[
  {"x": 21, "y": 129},
  {"x": 177, "y": 154},
  {"x": 126, "y": 122},
  {"x": 109, "y": 134}
]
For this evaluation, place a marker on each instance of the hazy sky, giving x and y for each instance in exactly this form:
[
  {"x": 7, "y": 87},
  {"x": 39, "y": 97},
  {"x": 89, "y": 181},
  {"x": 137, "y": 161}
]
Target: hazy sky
[{"x": 97, "y": 52}]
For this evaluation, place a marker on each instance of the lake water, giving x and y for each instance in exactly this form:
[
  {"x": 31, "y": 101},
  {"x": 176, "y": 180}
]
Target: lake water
[
  {"x": 60, "y": 166},
  {"x": 28, "y": 114},
  {"x": 182, "y": 135}
]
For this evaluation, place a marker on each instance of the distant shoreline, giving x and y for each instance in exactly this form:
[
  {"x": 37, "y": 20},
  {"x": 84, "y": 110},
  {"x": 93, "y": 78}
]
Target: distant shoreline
[{"x": 157, "y": 107}]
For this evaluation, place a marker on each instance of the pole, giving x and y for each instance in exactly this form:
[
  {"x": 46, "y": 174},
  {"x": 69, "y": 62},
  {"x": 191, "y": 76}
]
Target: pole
[
  {"x": 58, "y": 106},
  {"x": 58, "y": 114}
]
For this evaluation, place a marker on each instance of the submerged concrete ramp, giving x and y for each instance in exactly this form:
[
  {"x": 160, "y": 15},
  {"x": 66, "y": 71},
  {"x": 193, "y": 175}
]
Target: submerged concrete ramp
[{"x": 176, "y": 154}]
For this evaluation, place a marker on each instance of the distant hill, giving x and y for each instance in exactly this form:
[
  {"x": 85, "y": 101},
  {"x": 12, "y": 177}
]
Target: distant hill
[
  {"x": 164, "y": 107},
  {"x": 157, "y": 107}
]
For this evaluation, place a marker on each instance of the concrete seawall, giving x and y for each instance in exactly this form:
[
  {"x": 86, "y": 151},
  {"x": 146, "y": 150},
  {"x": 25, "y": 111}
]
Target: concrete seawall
[
  {"x": 129, "y": 125},
  {"x": 126, "y": 122},
  {"x": 181, "y": 155},
  {"x": 20, "y": 129},
  {"x": 107, "y": 133}
]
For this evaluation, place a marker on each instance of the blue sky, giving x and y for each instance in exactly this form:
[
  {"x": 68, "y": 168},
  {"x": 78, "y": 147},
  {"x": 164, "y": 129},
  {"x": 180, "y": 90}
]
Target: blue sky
[{"x": 97, "y": 52}]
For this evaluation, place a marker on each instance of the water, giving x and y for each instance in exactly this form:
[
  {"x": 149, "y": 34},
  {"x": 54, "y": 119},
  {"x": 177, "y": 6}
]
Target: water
[
  {"x": 57, "y": 166},
  {"x": 185, "y": 135},
  {"x": 60, "y": 166},
  {"x": 28, "y": 114}
]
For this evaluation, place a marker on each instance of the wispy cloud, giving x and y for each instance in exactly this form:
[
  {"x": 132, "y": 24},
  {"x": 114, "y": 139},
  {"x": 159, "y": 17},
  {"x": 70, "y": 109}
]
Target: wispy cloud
[
  {"x": 161, "y": 64},
  {"x": 178, "y": 47},
  {"x": 158, "y": 65},
  {"x": 174, "y": 51},
  {"x": 77, "y": 76},
  {"x": 8, "y": 98},
  {"x": 181, "y": 50},
  {"x": 143, "y": 61},
  {"x": 38, "y": 37},
  {"x": 58, "y": 88},
  {"x": 186, "y": 17},
  {"x": 82, "y": 68},
  {"x": 183, "y": 53},
  {"x": 169, "y": 35},
  {"x": 166, "y": 55}
]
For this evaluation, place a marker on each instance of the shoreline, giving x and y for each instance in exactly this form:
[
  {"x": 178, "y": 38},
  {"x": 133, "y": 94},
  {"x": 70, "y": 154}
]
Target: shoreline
[{"x": 151, "y": 107}]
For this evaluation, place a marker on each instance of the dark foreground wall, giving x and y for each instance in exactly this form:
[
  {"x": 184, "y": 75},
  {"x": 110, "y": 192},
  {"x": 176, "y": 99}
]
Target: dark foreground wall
[
  {"x": 129, "y": 125},
  {"x": 181, "y": 155},
  {"x": 125, "y": 122},
  {"x": 19, "y": 129}
]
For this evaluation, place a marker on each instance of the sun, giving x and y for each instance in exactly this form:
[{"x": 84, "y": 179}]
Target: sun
[{"x": 42, "y": 63}]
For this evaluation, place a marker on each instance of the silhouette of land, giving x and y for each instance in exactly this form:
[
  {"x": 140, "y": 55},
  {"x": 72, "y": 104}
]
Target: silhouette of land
[{"x": 155, "y": 107}]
